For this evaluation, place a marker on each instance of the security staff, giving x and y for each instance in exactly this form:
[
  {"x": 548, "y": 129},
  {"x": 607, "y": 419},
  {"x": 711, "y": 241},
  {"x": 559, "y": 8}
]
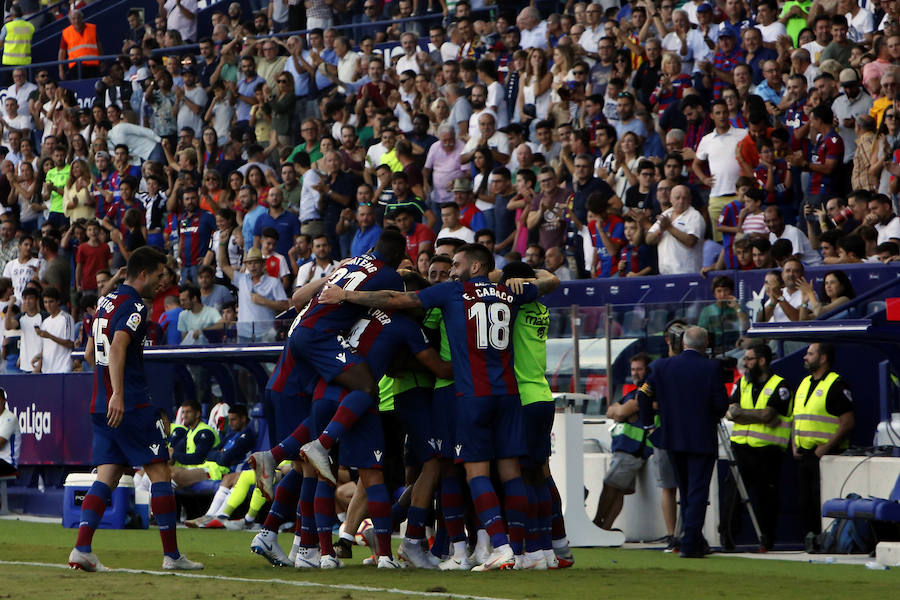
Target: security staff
[
  {"x": 79, "y": 40},
  {"x": 823, "y": 418},
  {"x": 761, "y": 407},
  {"x": 691, "y": 399},
  {"x": 630, "y": 448},
  {"x": 16, "y": 39}
]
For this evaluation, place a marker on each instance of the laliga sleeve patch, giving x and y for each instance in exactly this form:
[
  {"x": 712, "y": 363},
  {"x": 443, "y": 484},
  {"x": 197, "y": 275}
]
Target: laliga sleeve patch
[
  {"x": 134, "y": 321},
  {"x": 784, "y": 393}
]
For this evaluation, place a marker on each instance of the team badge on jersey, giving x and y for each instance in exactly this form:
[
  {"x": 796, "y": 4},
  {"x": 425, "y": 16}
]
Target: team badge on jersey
[{"x": 134, "y": 321}]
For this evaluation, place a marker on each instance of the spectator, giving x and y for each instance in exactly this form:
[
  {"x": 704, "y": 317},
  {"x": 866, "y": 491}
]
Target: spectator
[
  {"x": 836, "y": 290},
  {"x": 881, "y": 216},
  {"x": 635, "y": 258},
  {"x": 778, "y": 230},
  {"x": 260, "y": 297},
  {"x": 55, "y": 272},
  {"x": 451, "y": 225},
  {"x": 547, "y": 210},
  {"x": 783, "y": 293},
  {"x": 678, "y": 233},
  {"x": 212, "y": 294},
  {"x": 23, "y": 268},
  {"x": 606, "y": 235},
  {"x": 195, "y": 316},
  {"x": 725, "y": 320},
  {"x": 57, "y": 333},
  {"x": 168, "y": 321},
  {"x": 322, "y": 264},
  {"x": 28, "y": 321}
]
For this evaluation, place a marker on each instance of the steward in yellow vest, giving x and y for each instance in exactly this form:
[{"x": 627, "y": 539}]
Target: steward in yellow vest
[
  {"x": 17, "y": 40},
  {"x": 823, "y": 420},
  {"x": 761, "y": 411}
]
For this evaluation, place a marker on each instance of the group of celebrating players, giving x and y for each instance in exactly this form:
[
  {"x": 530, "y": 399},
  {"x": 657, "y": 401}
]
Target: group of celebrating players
[{"x": 383, "y": 372}]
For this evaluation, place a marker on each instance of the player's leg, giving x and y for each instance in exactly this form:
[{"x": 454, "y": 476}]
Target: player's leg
[
  {"x": 92, "y": 508},
  {"x": 187, "y": 477},
  {"x": 218, "y": 501},
  {"x": 509, "y": 447},
  {"x": 162, "y": 503},
  {"x": 379, "y": 506},
  {"x": 361, "y": 384},
  {"x": 560, "y": 541},
  {"x": 414, "y": 548}
]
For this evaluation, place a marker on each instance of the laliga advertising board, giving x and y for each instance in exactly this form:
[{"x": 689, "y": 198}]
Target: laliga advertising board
[{"x": 53, "y": 413}]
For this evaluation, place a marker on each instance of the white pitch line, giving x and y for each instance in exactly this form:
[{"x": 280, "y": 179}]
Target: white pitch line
[{"x": 333, "y": 586}]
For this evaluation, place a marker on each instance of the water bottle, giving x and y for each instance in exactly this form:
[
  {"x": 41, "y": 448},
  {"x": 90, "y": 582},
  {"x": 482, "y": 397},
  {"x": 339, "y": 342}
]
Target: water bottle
[{"x": 828, "y": 560}]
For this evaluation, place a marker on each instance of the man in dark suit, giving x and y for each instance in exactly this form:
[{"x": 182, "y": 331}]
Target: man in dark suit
[{"x": 688, "y": 392}]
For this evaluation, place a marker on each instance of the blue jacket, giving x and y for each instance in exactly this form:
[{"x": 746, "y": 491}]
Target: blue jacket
[{"x": 691, "y": 397}]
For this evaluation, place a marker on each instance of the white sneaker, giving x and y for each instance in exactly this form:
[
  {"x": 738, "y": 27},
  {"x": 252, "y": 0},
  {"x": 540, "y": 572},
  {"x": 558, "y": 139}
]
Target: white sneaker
[
  {"x": 456, "y": 564},
  {"x": 86, "y": 561},
  {"x": 263, "y": 464},
  {"x": 307, "y": 558},
  {"x": 265, "y": 543},
  {"x": 412, "y": 552},
  {"x": 550, "y": 559},
  {"x": 330, "y": 562},
  {"x": 182, "y": 563},
  {"x": 533, "y": 561},
  {"x": 369, "y": 561},
  {"x": 500, "y": 558},
  {"x": 199, "y": 522},
  {"x": 317, "y": 456},
  {"x": 235, "y": 524},
  {"x": 386, "y": 562}
]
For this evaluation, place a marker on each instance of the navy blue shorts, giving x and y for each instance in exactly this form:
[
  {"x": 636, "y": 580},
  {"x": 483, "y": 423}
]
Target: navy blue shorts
[
  {"x": 325, "y": 352},
  {"x": 538, "y": 423},
  {"x": 414, "y": 409},
  {"x": 290, "y": 411},
  {"x": 489, "y": 427},
  {"x": 363, "y": 446},
  {"x": 140, "y": 439},
  {"x": 443, "y": 420}
]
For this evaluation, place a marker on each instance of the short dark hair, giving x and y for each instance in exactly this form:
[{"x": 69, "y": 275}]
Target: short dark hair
[
  {"x": 145, "y": 258},
  {"x": 488, "y": 232},
  {"x": 450, "y": 241},
  {"x": 826, "y": 349},
  {"x": 853, "y": 244},
  {"x": 477, "y": 252},
  {"x": 52, "y": 293},
  {"x": 762, "y": 350},
  {"x": 723, "y": 281},
  {"x": 392, "y": 246},
  {"x": 239, "y": 410},
  {"x": 516, "y": 270},
  {"x": 191, "y": 402},
  {"x": 642, "y": 357},
  {"x": 269, "y": 232}
]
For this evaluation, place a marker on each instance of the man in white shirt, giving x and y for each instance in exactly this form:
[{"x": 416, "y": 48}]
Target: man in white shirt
[
  {"x": 58, "y": 333},
  {"x": 784, "y": 296},
  {"x": 451, "y": 227},
  {"x": 881, "y": 216},
  {"x": 190, "y": 102},
  {"x": 348, "y": 60},
  {"x": 411, "y": 55},
  {"x": 594, "y": 29},
  {"x": 15, "y": 121},
  {"x": 310, "y": 219},
  {"x": 487, "y": 135},
  {"x": 21, "y": 89},
  {"x": 677, "y": 232},
  {"x": 688, "y": 44},
  {"x": 854, "y": 102},
  {"x": 478, "y": 100},
  {"x": 717, "y": 148},
  {"x": 195, "y": 317},
  {"x": 322, "y": 264},
  {"x": 861, "y": 21},
  {"x": 768, "y": 24},
  {"x": 23, "y": 269},
  {"x": 9, "y": 438},
  {"x": 778, "y": 230},
  {"x": 181, "y": 15},
  {"x": 29, "y": 322},
  {"x": 532, "y": 29}
]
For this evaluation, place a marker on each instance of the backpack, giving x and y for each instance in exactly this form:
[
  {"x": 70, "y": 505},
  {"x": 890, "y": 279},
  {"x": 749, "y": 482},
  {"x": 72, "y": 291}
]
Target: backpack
[{"x": 843, "y": 536}]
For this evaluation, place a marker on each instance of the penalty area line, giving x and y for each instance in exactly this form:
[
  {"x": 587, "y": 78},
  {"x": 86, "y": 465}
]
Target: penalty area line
[{"x": 302, "y": 584}]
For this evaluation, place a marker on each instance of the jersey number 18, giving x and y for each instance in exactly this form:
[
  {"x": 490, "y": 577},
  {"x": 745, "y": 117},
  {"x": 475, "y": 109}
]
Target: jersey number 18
[{"x": 491, "y": 325}]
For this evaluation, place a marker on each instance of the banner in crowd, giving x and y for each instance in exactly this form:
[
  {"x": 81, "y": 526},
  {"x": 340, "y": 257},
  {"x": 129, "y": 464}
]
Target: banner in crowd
[{"x": 84, "y": 91}]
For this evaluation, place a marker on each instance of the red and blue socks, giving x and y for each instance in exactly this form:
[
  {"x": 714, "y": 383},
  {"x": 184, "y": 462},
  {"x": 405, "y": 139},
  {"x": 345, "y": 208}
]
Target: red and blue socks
[
  {"x": 306, "y": 517},
  {"x": 286, "y": 494},
  {"x": 289, "y": 448},
  {"x": 545, "y": 516},
  {"x": 380, "y": 511},
  {"x": 92, "y": 508},
  {"x": 515, "y": 504},
  {"x": 487, "y": 505},
  {"x": 557, "y": 523},
  {"x": 415, "y": 523},
  {"x": 452, "y": 508},
  {"x": 325, "y": 517},
  {"x": 532, "y": 527},
  {"x": 353, "y": 406},
  {"x": 162, "y": 503}
]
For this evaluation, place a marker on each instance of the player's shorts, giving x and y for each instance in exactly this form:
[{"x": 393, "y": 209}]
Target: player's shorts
[
  {"x": 138, "y": 440},
  {"x": 361, "y": 447},
  {"x": 413, "y": 407},
  {"x": 327, "y": 353},
  {"x": 623, "y": 470},
  {"x": 489, "y": 427},
  {"x": 393, "y": 468},
  {"x": 289, "y": 412},
  {"x": 443, "y": 420},
  {"x": 537, "y": 420},
  {"x": 665, "y": 471}
]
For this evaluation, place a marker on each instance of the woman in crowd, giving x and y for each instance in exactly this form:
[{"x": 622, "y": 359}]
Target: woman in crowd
[
  {"x": 534, "y": 89},
  {"x": 836, "y": 290},
  {"x": 78, "y": 196}
]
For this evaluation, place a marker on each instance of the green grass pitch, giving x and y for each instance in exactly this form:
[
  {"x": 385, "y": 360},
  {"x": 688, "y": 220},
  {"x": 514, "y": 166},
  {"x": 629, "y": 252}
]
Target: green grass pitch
[{"x": 599, "y": 573}]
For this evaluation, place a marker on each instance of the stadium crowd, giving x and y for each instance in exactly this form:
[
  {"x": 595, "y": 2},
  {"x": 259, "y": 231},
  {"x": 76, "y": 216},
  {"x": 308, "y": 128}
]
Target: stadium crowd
[
  {"x": 596, "y": 140},
  {"x": 578, "y": 141}
]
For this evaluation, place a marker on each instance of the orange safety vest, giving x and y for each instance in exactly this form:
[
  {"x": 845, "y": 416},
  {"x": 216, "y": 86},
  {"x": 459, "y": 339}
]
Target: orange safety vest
[{"x": 82, "y": 44}]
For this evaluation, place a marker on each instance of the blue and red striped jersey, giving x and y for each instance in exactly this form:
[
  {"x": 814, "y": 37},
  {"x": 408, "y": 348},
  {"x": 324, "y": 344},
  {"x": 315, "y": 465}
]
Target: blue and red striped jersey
[
  {"x": 122, "y": 310},
  {"x": 367, "y": 272},
  {"x": 614, "y": 227},
  {"x": 194, "y": 232},
  {"x": 287, "y": 378},
  {"x": 116, "y": 214},
  {"x": 829, "y": 146},
  {"x": 381, "y": 335},
  {"x": 479, "y": 315}
]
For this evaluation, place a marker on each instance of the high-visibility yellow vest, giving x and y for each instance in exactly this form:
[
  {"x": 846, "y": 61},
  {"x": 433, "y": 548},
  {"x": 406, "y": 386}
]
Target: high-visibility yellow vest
[
  {"x": 191, "y": 446},
  {"x": 813, "y": 424},
  {"x": 17, "y": 44},
  {"x": 757, "y": 435}
]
